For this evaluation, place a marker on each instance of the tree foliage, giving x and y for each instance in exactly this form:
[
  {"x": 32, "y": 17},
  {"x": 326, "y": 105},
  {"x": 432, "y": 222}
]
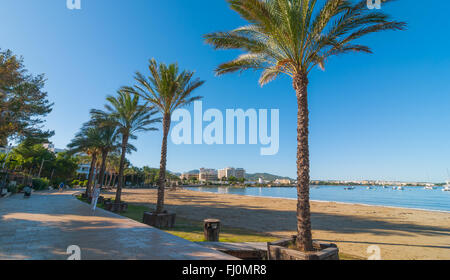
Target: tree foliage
[{"x": 23, "y": 103}]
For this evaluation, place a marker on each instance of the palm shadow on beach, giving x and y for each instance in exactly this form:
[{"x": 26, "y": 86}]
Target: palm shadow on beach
[{"x": 269, "y": 221}]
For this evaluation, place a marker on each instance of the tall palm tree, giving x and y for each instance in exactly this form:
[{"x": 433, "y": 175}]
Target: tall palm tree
[
  {"x": 167, "y": 89},
  {"x": 88, "y": 141},
  {"x": 129, "y": 117},
  {"x": 292, "y": 37}
]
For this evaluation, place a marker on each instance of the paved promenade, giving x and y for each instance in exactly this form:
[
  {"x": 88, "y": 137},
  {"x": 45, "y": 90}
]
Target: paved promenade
[{"x": 45, "y": 225}]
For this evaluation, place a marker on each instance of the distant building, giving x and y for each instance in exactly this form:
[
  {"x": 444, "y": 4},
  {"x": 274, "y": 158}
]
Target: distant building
[
  {"x": 52, "y": 148},
  {"x": 207, "y": 175},
  {"x": 189, "y": 176},
  {"x": 228, "y": 172},
  {"x": 260, "y": 181},
  {"x": 282, "y": 182},
  {"x": 83, "y": 169}
]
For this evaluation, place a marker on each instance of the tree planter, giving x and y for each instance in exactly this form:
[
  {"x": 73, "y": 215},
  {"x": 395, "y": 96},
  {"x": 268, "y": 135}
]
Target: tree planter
[
  {"x": 119, "y": 207},
  {"x": 279, "y": 251},
  {"x": 161, "y": 220},
  {"x": 108, "y": 205},
  {"x": 100, "y": 200}
]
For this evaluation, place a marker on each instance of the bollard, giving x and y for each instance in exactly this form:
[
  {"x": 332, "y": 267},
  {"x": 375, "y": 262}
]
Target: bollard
[{"x": 212, "y": 230}]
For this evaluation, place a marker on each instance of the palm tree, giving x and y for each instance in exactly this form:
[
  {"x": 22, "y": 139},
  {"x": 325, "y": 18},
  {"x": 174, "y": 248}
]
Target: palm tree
[
  {"x": 292, "y": 37},
  {"x": 129, "y": 117},
  {"x": 167, "y": 89},
  {"x": 108, "y": 143},
  {"x": 87, "y": 141}
]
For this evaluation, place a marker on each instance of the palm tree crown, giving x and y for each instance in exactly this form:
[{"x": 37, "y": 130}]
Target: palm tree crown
[
  {"x": 125, "y": 113},
  {"x": 166, "y": 88},
  {"x": 291, "y": 37}
]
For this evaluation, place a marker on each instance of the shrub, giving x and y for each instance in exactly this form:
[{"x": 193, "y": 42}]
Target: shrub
[
  {"x": 40, "y": 184},
  {"x": 20, "y": 187},
  {"x": 12, "y": 189},
  {"x": 76, "y": 183},
  {"x": 84, "y": 184}
]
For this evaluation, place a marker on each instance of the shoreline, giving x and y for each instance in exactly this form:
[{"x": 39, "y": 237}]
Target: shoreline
[
  {"x": 401, "y": 233},
  {"x": 338, "y": 202}
]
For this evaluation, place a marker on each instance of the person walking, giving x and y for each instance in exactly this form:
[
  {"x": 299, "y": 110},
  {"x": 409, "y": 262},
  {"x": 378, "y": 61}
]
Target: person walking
[{"x": 95, "y": 196}]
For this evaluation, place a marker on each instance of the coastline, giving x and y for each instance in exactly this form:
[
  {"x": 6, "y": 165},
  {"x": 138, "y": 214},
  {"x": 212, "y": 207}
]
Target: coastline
[
  {"x": 401, "y": 233},
  {"x": 338, "y": 202}
]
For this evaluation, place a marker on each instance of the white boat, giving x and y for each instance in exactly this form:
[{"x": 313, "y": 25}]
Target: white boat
[
  {"x": 370, "y": 188},
  {"x": 399, "y": 188},
  {"x": 429, "y": 187},
  {"x": 446, "y": 187}
]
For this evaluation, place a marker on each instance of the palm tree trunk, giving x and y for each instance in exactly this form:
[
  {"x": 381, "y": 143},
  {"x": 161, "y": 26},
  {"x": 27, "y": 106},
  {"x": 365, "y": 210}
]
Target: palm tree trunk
[
  {"x": 162, "y": 167},
  {"x": 109, "y": 178},
  {"x": 121, "y": 167},
  {"x": 102, "y": 169},
  {"x": 304, "y": 239},
  {"x": 91, "y": 173}
]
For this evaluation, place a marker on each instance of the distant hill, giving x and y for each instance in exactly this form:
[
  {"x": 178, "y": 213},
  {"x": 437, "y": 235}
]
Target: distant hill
[{"x": 264, "y": 176}]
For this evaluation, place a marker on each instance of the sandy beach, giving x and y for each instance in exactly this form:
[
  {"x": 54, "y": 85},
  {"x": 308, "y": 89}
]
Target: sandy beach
[{"x": 400, "y": 233}]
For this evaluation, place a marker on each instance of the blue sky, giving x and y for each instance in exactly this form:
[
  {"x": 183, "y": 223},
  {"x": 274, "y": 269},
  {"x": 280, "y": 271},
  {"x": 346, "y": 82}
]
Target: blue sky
[{"x": 381, "y": 116}]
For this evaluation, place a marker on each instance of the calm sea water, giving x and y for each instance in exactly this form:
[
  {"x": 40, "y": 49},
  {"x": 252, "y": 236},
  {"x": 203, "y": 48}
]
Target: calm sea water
[{"x": 411, "y": 197}]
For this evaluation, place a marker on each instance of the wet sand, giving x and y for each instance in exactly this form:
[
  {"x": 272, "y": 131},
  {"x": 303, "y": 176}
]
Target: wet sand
[{"x": 400, "y": 233}]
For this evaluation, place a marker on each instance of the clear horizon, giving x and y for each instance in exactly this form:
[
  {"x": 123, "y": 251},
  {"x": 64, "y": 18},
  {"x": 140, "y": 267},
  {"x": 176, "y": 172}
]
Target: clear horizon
[{"x": 382, "y": 116}]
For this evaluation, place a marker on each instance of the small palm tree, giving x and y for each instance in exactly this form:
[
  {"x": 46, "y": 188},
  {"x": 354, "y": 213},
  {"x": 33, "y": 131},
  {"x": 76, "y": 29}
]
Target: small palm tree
[
  {"x": 129, "y": 117},
  {"x": 87, "y": 141},
  {"x": 167, "y": 89},
  {"x": 292, "y": 37},
  {"x": 108, "y": 143}
]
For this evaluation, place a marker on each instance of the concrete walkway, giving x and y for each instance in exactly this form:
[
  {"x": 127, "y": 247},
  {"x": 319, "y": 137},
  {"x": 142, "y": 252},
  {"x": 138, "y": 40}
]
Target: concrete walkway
[{"x": 45, "y": 225}]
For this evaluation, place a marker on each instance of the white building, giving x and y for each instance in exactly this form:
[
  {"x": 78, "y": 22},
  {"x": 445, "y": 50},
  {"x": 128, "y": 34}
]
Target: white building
[
  {"x": 52, "y": 148},
  {"x": 282, "y": 182},
  {"x": 84, "y": 169},
  {"x": 228, "y": 172},
  {"x": 207, "y": 175}
]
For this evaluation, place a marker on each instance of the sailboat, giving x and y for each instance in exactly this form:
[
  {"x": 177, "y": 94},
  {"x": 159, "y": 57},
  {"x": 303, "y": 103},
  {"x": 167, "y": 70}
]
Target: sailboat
[{"x": 447, "y": 185}]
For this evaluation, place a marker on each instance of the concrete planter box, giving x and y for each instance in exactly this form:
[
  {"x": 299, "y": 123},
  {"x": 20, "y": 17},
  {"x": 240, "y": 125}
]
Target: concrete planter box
[
  {"x": 108, "y": 205},
  {"x": 115, "y": 207},
  {"x": 119, "y": 207},
  {"x": 100, "y": 200},
  {"x": 279, "y": 251},
  {"x": 161, "y": 220}
]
